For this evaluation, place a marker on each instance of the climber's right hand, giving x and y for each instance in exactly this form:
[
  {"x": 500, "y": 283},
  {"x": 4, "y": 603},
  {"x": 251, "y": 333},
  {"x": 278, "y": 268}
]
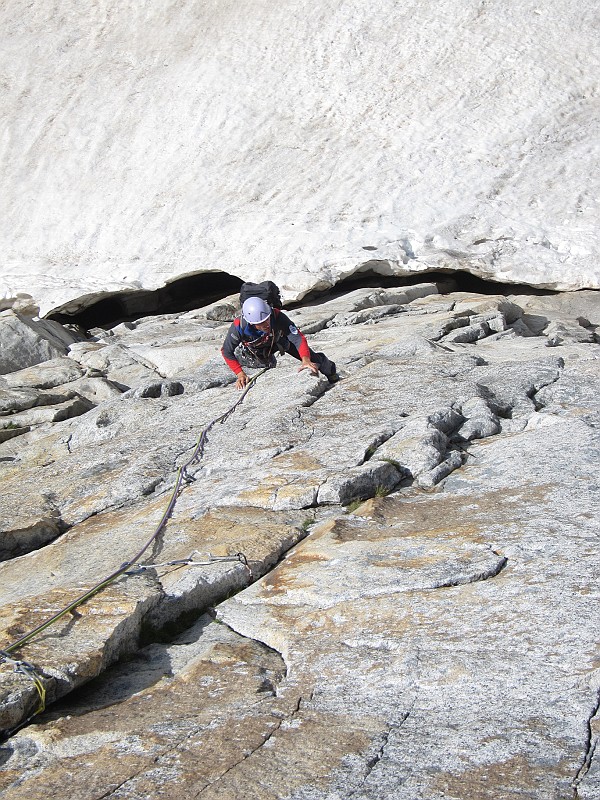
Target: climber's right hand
[{"x": 242, "y": 380}]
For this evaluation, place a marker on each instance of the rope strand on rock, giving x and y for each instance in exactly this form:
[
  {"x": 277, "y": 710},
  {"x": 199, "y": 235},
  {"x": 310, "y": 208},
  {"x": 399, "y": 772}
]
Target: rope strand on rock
[
  {"x": 125, "y": 568},
  {"x": 191, "y": 562},
  {"x": 29, "y": 670}
]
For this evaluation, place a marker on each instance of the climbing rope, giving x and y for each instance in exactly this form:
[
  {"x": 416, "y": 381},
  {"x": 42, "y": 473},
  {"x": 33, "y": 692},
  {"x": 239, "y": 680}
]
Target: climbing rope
[
  {"x": 190, "y": 562},
  {"x": 129, "y": 567},
  {"x": 29, "y": 670}
]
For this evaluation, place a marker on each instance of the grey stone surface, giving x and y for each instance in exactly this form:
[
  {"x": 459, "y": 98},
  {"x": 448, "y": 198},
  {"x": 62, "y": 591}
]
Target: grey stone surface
[
  {"x": 55, "y": 372},
  {"x": 25, "y": 342},
  {"x": 121, "y": 365},
  {"x": 426, "y": 531}
]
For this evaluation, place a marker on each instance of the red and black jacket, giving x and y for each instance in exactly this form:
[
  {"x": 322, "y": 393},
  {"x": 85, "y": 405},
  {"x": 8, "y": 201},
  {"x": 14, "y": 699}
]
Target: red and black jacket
[{"x": 283, "y": 333}]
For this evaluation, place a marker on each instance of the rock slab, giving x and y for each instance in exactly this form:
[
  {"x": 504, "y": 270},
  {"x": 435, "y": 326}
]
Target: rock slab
[{"x": 382, "y": 588}]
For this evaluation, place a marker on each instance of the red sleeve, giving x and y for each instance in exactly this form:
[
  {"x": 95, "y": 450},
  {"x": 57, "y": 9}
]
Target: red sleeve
[
  {"x": 232, "y": 339},
  {"x": 232, "y": 364},
  {"x": 303, "y": 350}
]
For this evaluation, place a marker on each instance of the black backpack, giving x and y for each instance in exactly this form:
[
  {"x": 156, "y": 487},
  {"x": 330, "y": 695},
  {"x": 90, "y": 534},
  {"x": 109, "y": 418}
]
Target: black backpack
[{"x": 267, "y": 291}]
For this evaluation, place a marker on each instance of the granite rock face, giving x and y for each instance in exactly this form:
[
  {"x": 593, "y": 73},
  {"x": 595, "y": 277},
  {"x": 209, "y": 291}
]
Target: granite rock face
[
  {"x": 304, "y": 143},
  {"x": 383, "y": 587},
  {"x": 25, "y": 342}
]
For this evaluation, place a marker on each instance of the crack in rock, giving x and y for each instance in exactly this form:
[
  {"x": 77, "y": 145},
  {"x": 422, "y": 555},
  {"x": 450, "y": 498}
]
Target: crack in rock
[
  {"x": 260, "y": 643},
  {"x": 116, "y": 788},
  {"x": 491, "y": 572},
  {"x": 380, "y": 754},
  {"x": 419, "y": 449},
  {"x": 246, "y": 756},
  {"x": 374, "y": 760},
  {"x": 361, "y": 482},
  {"x": 159, "y": 611},
  {"x": 543, "y": 384},
  {"x": 372, "y": 448},
  {"x": 181, "y": 743},
  {"x": 315, "y": 393},
  {"x": 590, "y": 749}
]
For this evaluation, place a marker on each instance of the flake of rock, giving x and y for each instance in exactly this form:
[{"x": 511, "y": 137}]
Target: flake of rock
[
  {"x": 495, "y": 322},
  {"x": 95, "y": 389},
  {"x": 117, "y": 363},
  {"x": 25, "y": 342},
  {"x": 156, "y": 389},
  {"x": 56, "y": 412},
  {"x": 446, "y": 419},
  {"x": 520, "y": 327},
  {"x": 473, "y": 304},
  {"x": 37, "y": 523},
  {"x": 427, "y": 480},
  {"x": 8, "y": 430},
  {"x": 369, "y": 315},
  {"x": 560, "y": 332},
  {"x": 68, "y": 653},
  {"x": 417, "y": 447},
  {"x": 480, "y": 420},
  {"x": 172, "y": 359},
  {"x": 359, "y": 482},
  {"x": 468, "y": 334},
  {"x": 154, "y": 692},
  {"x": 104, "y": 635},
  {"x": 260, "y": 539},
  {"x": 452, "y": 322},
  {"x": 18, "y": 399},
  {"x": 22, "y": 399},
  {"x": 48, "y": 375}
]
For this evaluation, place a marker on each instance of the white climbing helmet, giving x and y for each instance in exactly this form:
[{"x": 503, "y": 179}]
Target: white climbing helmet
[{"x": 256, "y": 310}]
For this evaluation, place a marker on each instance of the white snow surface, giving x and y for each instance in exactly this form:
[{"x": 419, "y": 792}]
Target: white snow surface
[{"x": 144, "y": 140}]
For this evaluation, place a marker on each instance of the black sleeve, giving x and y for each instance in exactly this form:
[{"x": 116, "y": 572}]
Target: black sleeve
[
  {"x": 287, "y": 329},
  {"x": 232, "y": 340}
]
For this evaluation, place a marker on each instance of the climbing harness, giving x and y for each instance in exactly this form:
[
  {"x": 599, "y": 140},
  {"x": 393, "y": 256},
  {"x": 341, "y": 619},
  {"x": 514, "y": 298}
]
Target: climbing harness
[
  {"x": 129, "y": 567},
  {"x": 259, "y": 352}
]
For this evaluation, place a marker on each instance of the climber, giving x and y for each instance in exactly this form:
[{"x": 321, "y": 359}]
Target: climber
[{"x": 261, "y": 331}]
